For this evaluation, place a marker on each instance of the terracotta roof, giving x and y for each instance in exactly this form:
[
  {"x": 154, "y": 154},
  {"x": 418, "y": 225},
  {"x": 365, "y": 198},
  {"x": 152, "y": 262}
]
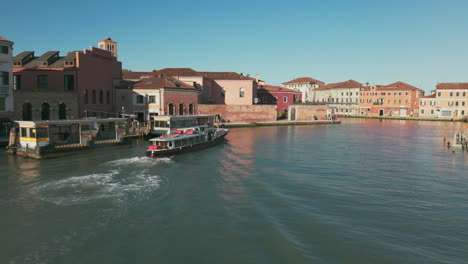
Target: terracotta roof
[
  {"x": 398, "y": 86},
  {"x": 271, "y": 88},
  {"x": 178, "y": 72},
  {"x": 4, "y": 39},
  {"x": 304, "y": 80},
  {"x": 108, "y": 40},
  {"x": 346, "y": 85},
  {"x": 451, "y": 86},
  {"x": 128, "y": 75},
  {"x": 226, "y": 76},
  {"x": 161, "y": 81}
]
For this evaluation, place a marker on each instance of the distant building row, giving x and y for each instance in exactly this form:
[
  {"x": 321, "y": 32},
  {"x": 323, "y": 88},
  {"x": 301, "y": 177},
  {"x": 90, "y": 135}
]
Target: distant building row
[{"x": 351, "y": 98}]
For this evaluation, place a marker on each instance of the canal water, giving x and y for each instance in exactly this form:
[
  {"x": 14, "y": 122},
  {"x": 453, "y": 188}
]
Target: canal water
[{"x": 365, "y": 191}]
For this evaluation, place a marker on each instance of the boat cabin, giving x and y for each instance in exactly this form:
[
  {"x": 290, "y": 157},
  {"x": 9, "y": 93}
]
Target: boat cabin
[
  {"x": 165, "y": 125},
  {"x": 181, "y": 138},
  {"x": 36, "y": 134}
]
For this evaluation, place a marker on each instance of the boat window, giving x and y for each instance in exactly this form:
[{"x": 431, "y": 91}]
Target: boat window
[
  {"x": 42, "y": 132},
  {"x": 32, "y": 133},
  {"x": 24, "y": 132}
]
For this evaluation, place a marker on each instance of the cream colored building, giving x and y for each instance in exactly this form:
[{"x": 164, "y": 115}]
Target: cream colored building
[
  {"x": 448, "y": 101},
  {"x": 306, "y": 85},
  {"x": 342, "y": 97},
  {"x": 6, "y": 79}
]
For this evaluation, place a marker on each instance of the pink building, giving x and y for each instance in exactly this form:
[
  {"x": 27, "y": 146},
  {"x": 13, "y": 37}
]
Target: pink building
[
  {"x": 280, "y": 96},
  {"x": 65, "y": 87}
]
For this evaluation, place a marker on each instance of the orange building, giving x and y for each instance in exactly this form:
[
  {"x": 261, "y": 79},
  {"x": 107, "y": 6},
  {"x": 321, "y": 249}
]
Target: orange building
[{"x": 396, "y": 99}]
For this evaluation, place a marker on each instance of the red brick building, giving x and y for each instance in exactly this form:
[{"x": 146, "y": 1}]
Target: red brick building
[
  {"x": 279, "y": 96},
  {"x": 65, "y": 87},
  {"x": 157, "y": 95}
]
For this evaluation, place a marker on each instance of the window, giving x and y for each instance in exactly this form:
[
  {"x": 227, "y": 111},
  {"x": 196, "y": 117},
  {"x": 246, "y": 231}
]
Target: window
[
  {"x": 4, "y": 78},
  {"x": 139, "y": 99},
  {"x": 85, "y": 97},
  {"x": 4, "y": 49},
  {"x": 464, "y": 93},
  {"x": 17, "y": 82},
  {"x": 181, "y": 109},
  {"x": 451, "y": 94},
  {"x": 406, "y": 101},
  {"x": 456, "y": 103},
  {"x": 432, "y": 111},
  {"x": 285, "y": 99},
  {"x": 108, "y": 97},
  {"x": 399, "y": 101},
  {"x": 422, "y": 111},
  {"x": 42, "y": 82},
  {"x": 275, "y": 99},
  {"x": 27, "y": 112},
  {"x": 457, "y": 94},
  {"x": 69, "y": 83},
  {"x": 101, "y": 97},
  {"x": 93, "y": 96},
  {"x": 2, "y": 104},
  {"x": 241, "y": 92},
  {"x": 406, "y": 93},
  {"x": 152, "y": 99},
  {"x": 171, "y": 109},
  {"x": 463, "y": 103},
  {"x": 191, "y": 109},
  {"x": 45, "y": 111},
  {"x": 463, "y": 112},
  {"x": 62, "y": 111},
  {"x": 439, "y": 93}
]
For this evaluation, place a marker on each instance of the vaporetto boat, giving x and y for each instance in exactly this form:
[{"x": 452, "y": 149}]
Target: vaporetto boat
[{"x": 185, "y": 140}]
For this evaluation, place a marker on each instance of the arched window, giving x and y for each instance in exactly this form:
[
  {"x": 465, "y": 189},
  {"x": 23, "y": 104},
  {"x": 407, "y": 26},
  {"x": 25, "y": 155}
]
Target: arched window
[
  {"x": 108, "y": 97},
  {"x": 93, "y": 97},
  {"x": 85, "y": 97},
  {"x": 101, "y": 97},
  {"x": 190, "y": 109},
  {"x": 45, "y": 111},
  {"x": 171, "y": 109},
  {"x": 241, "y": 92},
  {"x": 181, "y": 109},
  {"x": 62, "y": 111},
  {"x": 27, "y": 112}
]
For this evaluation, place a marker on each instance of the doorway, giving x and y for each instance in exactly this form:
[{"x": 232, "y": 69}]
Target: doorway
[{"x": 381, "y": 112}]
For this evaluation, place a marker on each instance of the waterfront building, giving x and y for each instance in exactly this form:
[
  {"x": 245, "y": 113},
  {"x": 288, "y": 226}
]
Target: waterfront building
[
  {"x": 6, "y": 85},
  {"x": 210, "y": 91},
  {"x": 306, "y": 86},
  {"x": 449, "y": 100},
  {"x": 342, "y": 97},
  {"x": 157, "y": 95},
  {"x": 79, "y": 84},
  {"x": 396, "y": 99},
  {"x": 237, "y": 88},
  {"x": 280, "y": 96}
]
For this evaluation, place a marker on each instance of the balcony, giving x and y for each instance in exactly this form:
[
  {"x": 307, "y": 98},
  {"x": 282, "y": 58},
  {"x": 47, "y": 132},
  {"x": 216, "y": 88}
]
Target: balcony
[{"x": 378, "y": 103}]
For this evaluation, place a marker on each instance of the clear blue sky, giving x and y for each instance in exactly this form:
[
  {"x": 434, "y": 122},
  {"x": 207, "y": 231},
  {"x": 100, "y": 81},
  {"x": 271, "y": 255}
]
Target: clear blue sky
[{"x": 420, "y": 42}]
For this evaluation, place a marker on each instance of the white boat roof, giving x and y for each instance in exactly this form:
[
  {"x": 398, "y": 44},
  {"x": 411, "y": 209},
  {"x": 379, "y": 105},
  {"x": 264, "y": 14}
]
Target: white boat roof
[
  {"x": 71, "y": 121},
  {"x": 174, "y": 137}
]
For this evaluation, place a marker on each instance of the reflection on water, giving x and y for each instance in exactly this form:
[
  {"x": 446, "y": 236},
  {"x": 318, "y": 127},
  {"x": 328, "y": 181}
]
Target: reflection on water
[{"x": 365, "y": 191}]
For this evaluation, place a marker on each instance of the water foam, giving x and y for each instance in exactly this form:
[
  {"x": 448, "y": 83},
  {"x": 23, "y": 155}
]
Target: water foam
[{"x": 113, "y": 184}]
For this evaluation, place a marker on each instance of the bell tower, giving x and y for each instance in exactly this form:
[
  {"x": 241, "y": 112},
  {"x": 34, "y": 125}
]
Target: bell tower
[{"x": 109, "y": 45}]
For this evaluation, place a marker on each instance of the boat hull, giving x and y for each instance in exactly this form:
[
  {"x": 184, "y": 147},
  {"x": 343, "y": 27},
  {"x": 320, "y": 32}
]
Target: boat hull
[{"x": 172, "y": 152}]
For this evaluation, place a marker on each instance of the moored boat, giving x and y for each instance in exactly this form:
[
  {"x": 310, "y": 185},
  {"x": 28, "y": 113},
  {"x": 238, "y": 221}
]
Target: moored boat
[{"x": 185, "y": 140}]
